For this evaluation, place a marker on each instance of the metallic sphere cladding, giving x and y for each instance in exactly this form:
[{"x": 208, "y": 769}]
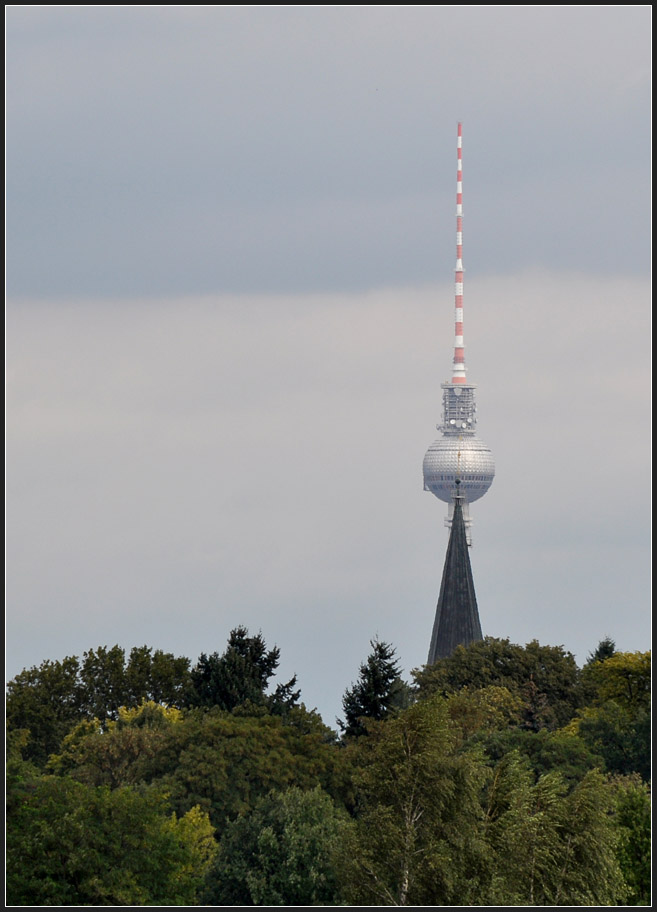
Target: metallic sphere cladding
[{"x": 458, "y": 456}]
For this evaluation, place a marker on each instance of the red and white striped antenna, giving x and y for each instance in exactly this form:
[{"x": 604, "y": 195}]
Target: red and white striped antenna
[{"x": 458, "y": 371}]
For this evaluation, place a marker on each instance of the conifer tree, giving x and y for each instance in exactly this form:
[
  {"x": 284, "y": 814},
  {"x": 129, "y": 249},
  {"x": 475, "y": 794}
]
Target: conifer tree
[
  {"x": 240, "y": 676},
  {"x": 605, "y": 649},
  {"x": 378, "y": 690}
]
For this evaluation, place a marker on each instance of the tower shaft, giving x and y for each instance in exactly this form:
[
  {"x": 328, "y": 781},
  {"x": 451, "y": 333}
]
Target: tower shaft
[{"x": 457, "y": 616}]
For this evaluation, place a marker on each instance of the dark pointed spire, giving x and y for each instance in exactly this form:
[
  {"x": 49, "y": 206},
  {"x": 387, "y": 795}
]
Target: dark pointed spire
[{"x": 457, "y": 616}]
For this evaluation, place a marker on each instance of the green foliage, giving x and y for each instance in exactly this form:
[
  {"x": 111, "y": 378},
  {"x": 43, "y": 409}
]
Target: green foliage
[
  {"x": 550, "y": 846},
  {"x": 416, "y": 837},
  {"x": 438, "y": 825},
  {"x": 616, "y": 724},
  {"x": 20, "y": 773},
  {"x": 220, "y": 761},
  {"x": 620, "y": 738},
  {"x": 45, "y": 701},
  {"x": 281, "y": 853},
  {"x": 378, "y": 691},
  {"x": 544, "y": 751},
  {"x": 605, "y": 648},
  {"x": 119, "y": 753},
  {"x": 632, "y": 797},
  {"x": 488, "y": 790},
  {"x": 71, "y": 844},
  {"x": 103, "y": 679},
  {"x": 155, "y": 676},
  {"x": 483, "y": 710},
  {"x": 226, "y": 763},
  {"x": 544, "y": 677},
  {"x": 589, "y": 872},
  {"x": 240, "y": 676},
  {"x": 624, "y": 677},
  {"x": 109, "y": 682},
  {"x": 49, "y": 700}
]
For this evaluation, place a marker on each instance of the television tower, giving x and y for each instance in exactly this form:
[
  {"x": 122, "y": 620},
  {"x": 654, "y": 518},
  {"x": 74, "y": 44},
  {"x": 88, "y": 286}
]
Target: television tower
[{"x": 459, "y": 469}]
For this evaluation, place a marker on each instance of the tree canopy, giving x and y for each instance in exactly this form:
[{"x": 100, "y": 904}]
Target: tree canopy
[
  {"x": 505, "y": 776},
  {"x": 49, "y": 699},
  {"x": 546, "y": 678},
  {"x": 73, "y": 844},
  {"x": 281, "y": 853}
]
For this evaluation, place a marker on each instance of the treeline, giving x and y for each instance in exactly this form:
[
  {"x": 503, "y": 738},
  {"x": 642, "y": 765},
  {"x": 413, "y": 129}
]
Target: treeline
[{"x": 503, "y": 775}]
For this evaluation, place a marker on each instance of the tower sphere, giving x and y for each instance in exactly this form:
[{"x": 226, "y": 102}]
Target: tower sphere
[{"x": 464, "y": 457}]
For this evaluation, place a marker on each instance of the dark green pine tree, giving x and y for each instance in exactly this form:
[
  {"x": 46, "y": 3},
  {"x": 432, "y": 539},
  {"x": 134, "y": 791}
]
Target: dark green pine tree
[
  {"x": 240, "y": 676},
  {"x": 378, "y": 690},
  {"x": 606, "y": 648}
]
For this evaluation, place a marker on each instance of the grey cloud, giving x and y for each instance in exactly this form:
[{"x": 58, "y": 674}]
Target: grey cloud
[{"x": 154, "y": 151}]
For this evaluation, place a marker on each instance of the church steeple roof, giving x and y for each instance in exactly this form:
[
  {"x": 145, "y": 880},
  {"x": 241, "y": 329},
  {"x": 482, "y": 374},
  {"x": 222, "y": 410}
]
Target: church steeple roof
[{"x": 457, "y": 617}]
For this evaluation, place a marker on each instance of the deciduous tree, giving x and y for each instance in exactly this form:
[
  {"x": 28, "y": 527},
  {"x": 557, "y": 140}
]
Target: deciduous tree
[
  {"x": 624, "y": 677},
  {"x": 50, "y": 699},
  {"x": 72, "y": 844},
  {"x": 118, "y": 753},
  {"x": 46, "y": 702},
  {"x": 416, "y": 839},
  {"x": 616, "y": 723},
  {"x": 633, "y": 819},
  {"x": 282, "y": 853},
  {"x": 157, "y": 676},
  {"x": 546, "y": 677},
  {"x": 221, "y": 761},
  {"x": 551, "y": 846}
]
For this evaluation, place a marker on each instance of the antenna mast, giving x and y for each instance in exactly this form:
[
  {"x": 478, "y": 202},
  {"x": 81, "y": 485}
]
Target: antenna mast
[
  {"x": 458, "y": 453},
  {"x": 458, "y": 372}
]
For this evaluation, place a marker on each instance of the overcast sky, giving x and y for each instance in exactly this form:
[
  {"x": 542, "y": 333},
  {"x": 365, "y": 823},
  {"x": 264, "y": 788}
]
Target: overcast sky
[{"x": 230, "y": 253}]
